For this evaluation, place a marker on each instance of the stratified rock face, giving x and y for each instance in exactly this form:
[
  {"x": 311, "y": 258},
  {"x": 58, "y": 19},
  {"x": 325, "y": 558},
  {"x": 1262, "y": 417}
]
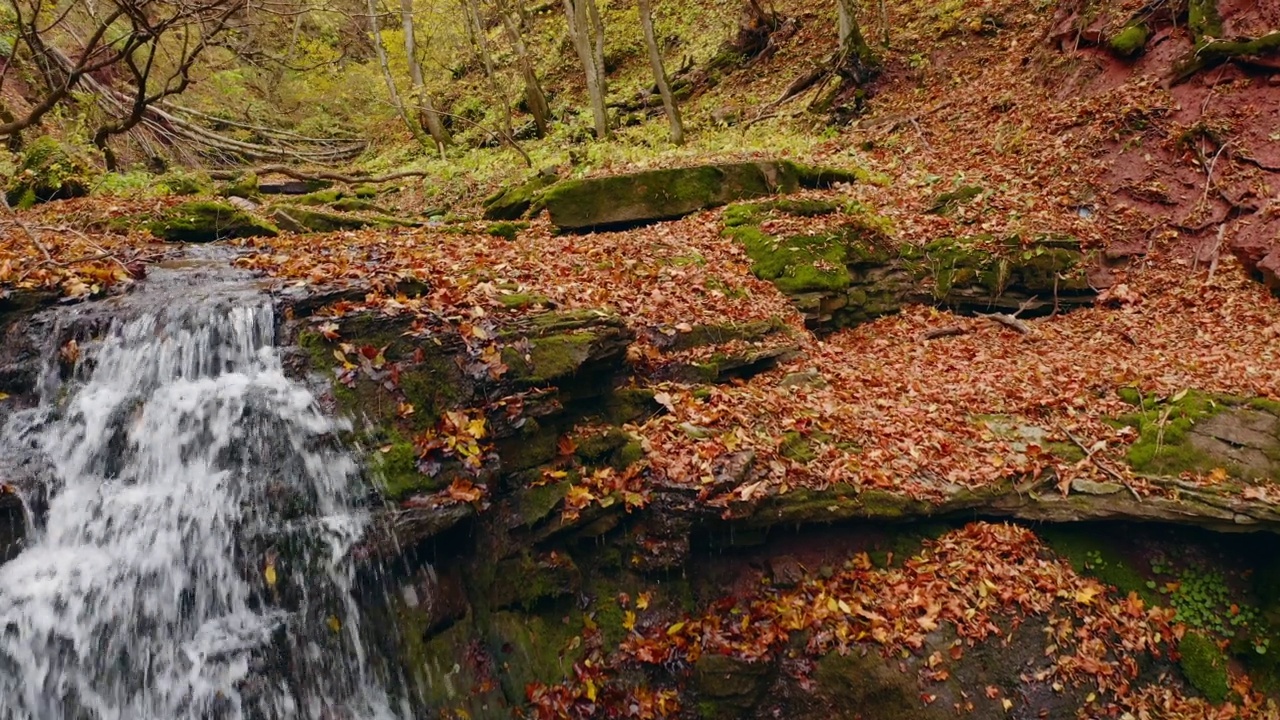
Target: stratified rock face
[
  {"x": 668, "y": 194},
  {"x": 854, "y": 272}
]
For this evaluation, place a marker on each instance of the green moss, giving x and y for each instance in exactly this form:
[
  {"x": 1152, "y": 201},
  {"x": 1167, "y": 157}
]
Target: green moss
[
  {"x": 534, "y": 648},
  {"x": 507, "y": 230},
  {"x": 536, "y": 503},
  {"x": 515, "y": 202},
  {"x": 48, "y": 170},
  {"x": 245, "y": 186},
  {"x": 946, "y": 202},
  {"x": 1093, "y": 553},
  {"x": 397, "y": 466},
  {"x": 185, "y": 183},
  {"x": 1203, "y": 20},
  {"x": 204, "y": 221},
  {"x": 300, "y": 219},
  {"x": 630, "y": 405},
  {"x": 797, "y": 264},
  {"x": 551, "y": 358},
  {"x": 600, "y": 449},
  {"x": 629, "y": 454},
  {"x": 1205, "y": 666},
  {"x": 1162, "y": 445},
  {"x": 322, "y": 197},
  {"x": 523, "y": 301},
  {"x": 1130, "y": 41},
  {"x": 797, "y": 447}
]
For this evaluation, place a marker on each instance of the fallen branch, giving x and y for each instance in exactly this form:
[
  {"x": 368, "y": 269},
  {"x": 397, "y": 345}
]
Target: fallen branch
[
  {"x": 1098, "y": 464},
  {"x": 1011, "y": 320},
  {"x": 297, "y": 174}
]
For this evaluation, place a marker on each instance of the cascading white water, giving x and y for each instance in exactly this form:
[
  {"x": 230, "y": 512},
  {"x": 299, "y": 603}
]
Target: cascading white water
[{"x": 181, "y": 466}]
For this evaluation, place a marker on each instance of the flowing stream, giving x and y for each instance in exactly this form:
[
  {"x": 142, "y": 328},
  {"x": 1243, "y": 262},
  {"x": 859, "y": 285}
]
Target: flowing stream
[{"x": 191, "y": 559}]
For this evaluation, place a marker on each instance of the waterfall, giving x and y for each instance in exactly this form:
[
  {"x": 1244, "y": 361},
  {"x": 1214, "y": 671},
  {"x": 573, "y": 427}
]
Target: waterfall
[{"x": 193, "y": 560}]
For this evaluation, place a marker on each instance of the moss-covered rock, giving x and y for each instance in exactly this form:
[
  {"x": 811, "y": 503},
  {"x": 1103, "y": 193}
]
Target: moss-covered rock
[
  {"x": 668, "y": 194},
  {"x": 201, "y": 221},
  {"x": 862, "y": 679},
  {"x": 1205, "y": 666},
  {"x": 515, "y": 202},
  {"x": 244, "y": 186},
  {"x": 1130, "y": 41},
  {"x": 48, "y": 170},
  {"x": 729, "y": 687},
  {"x": 185, "y": 183},
  {"x": 527, "y": 581},
  {"x": 300, "y": 220},
  {"x": 534, "y": 648},
  {"x": 506, "y": 230},
  {"x": 1201, "y": 432},
  {"x": 946, "y": 202}
]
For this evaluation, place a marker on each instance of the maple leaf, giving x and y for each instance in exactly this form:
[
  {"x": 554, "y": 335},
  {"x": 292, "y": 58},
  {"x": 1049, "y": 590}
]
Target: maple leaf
[{"x": 1087, "y": 594}]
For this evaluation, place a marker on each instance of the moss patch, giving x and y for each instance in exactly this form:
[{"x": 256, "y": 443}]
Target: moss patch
[
  {"x": 506, "y": 230},
  {"x": 946, "y": 202},
  {"x": 515, "y": 202},
  {"x": 202, "y": 221},
  {"x": 1093, "y": 553},
  {"x": 49, "y": 170},
  {"x": 551, "y": 357},
  {"x": 1130, "y": 41},
  {"x": 1205, "y": 666}
]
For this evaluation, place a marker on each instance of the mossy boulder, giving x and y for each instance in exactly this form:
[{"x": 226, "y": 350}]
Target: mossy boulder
[
  {"x": 729, "y": 687},
  {"x": 48, "y": 170},
  {"x": 1205, "y": 666},
  {"x": 534, "y": 648},
  {"x": 655, "y": 195},
  {"x": 1130, "y": 41},
  {"x": 513, "y": 203},
  {"x": 853, "y": 683},
  {"x": 944, "y": 203},
  {"x": 185, "y": 183},
  {"x": 303, "y": 220},
  {"x": 527, "y": 581},
  {"x": 244, "y": 186},
  {"x": 1201, "y": 432},
  {"x": 202, "y": 221}
]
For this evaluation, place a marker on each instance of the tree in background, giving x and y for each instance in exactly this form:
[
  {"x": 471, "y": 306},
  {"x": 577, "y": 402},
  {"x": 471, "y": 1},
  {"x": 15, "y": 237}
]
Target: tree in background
[
  {"x": 426, "y": 108},
  {"x": 855, "y": 61},
  {"x": 534, "y": 97},
  {"x": 659, "y": 73},
  {"x": 587, "y": 32}
]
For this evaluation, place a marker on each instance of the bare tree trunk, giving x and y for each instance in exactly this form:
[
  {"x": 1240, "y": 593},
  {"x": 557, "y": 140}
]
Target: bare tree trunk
[
  {"x": 474, "y": 19},
  {"x": 856, "y": 61},
  {"x": 533, "y": 95},
  {"x": 584, "y": 23},
  {"x": 381, "y": 51},
  {"x": 659, "y": 73},
  {"x": 426, "y": 109}
]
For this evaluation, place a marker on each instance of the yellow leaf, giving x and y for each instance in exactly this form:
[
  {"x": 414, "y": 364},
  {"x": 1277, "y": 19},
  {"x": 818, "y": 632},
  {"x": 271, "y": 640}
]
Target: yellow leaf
[
  {"x": 642, "y": 602},
  {"x": 334, "y": 623},
  {"x": 591, "y": 690},
  {"x": 1086, "y": 594},
  {"x": 475, "y": 428},
  {"x": 1178, "y": 395},
  {"x": 674, "y": 629},
  {"x": 1007, "y": 703},
  {"x": 629, "y": 621},
  {"x": 269, "y": 574},
  {"x": 1217, "y": 475},
  {"x": 4, "y": 396}
]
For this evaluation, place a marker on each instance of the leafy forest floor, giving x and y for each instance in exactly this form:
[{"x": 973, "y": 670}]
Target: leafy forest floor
[{"x": 1036, "y": 132}]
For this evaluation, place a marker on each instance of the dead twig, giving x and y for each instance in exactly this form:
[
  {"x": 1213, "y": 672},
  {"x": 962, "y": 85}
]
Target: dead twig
[
  {"x": 1011, "y": 320},
  {"x": 1089, "y": 454}
]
